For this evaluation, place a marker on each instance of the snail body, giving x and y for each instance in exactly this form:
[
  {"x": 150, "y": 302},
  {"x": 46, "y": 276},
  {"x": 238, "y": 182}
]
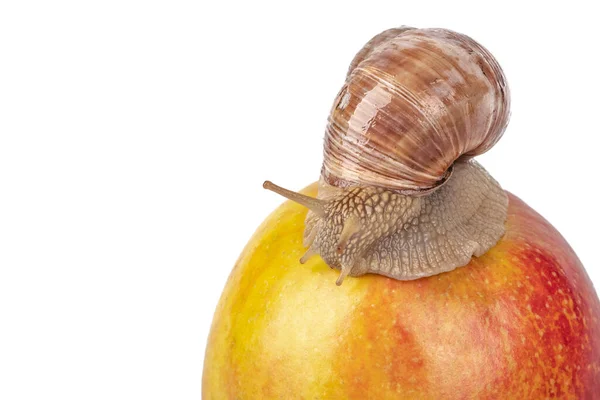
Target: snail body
[{"x": 399, "y": 193}]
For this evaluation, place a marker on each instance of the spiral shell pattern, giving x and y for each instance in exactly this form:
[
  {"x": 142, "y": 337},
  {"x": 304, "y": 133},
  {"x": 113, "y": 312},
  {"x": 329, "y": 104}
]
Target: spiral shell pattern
[{"x": 414, "y": 101}]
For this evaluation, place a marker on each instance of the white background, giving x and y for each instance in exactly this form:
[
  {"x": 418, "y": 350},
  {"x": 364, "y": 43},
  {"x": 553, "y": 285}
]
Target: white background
[{"x": 135, "y": 136}]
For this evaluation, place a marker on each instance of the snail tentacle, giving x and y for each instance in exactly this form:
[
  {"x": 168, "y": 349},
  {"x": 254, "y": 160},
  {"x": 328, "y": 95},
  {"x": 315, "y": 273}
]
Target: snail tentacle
[{"x": 315, "y": 205}]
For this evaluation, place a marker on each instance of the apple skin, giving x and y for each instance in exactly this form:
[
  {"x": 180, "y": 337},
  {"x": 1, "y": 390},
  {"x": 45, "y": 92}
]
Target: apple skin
[{"x": 520, "y": 322}]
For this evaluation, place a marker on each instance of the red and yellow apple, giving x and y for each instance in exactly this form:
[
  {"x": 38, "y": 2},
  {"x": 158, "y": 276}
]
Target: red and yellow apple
[{"x": 520, "y": 322}]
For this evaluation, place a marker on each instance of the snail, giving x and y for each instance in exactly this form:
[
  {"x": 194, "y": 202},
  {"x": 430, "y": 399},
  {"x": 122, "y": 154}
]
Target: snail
[{"x": 400, "y": 194}]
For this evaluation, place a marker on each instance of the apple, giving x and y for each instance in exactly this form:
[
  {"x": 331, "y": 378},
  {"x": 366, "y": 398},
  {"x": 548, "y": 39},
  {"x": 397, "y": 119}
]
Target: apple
[{"x": 520, "y": 322}]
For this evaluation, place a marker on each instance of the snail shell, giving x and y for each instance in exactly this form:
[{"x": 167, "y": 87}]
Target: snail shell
[
  {"x": 399, "y": 193},
  {"x": 414, "y": 101}
]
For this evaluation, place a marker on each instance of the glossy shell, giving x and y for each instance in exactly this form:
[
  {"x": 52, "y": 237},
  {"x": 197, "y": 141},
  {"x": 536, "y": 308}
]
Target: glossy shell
[{"x": 414, "y": 101}]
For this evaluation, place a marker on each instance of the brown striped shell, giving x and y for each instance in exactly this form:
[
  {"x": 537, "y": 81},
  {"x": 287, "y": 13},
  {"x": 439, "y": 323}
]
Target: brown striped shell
[{"x": 414, "y": 101}]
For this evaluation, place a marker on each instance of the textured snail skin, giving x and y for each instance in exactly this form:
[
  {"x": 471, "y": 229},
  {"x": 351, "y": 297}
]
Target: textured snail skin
[
  {"x": 409, "y": 237},
  {"x": 398, "y": 195},
  {"x": 520, "y": 322}
]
